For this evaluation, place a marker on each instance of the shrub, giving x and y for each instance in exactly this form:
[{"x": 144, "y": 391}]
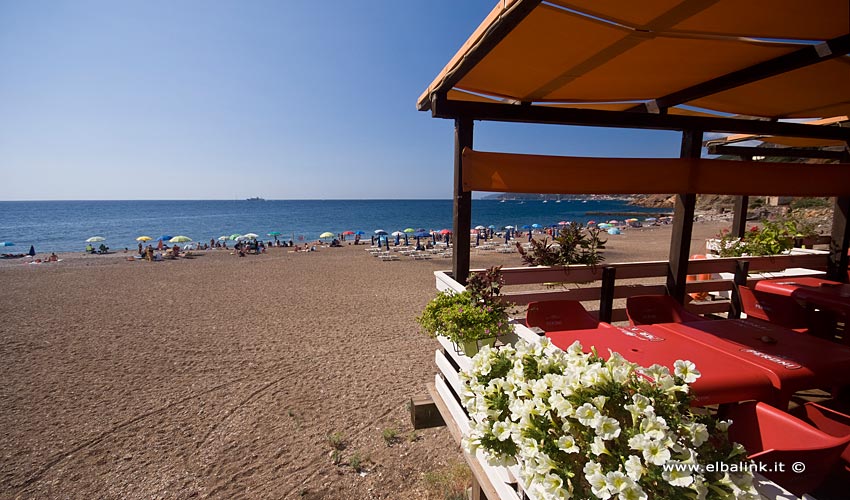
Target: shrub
[{"x": 576, "y": 245}]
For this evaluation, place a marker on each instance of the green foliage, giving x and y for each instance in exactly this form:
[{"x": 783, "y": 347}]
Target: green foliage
[
  {"x": 473, "y": 314},
  {"x": 337, "y": 441},
  {"x": 390, "y": 435},
  {"x": 575, "y": 245},
  {"x": 809, "y": 203},
  {"x": 356, "y": 461},
  {"x": 774, "y": 237}
]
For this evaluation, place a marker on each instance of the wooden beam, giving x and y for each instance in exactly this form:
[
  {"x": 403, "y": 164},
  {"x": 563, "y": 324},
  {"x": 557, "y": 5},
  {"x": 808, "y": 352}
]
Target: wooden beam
[
  {"x": 462, "y": 205},
  {"x": 495, "y": 33},
  {"x": 441, "y": 107},
  {"x": 521, "y": 173},
  {"x": 683, "y": 223},
  {"x": 749, "y": 152},
  {"x": 800, "y": 58},
  {"x": 606, "y": 299},
  {"x": 424, "y": 413}
]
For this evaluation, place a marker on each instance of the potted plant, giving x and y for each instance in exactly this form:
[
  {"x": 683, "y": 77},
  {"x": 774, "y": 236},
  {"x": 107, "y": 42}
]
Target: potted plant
[
  {"x": 472, "y": 318},
  {"x": 580, "y": 426}
]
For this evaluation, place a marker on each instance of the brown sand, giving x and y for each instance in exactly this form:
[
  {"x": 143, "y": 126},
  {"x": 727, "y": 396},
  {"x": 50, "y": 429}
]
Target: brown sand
[{"x": 222, "y": 376}]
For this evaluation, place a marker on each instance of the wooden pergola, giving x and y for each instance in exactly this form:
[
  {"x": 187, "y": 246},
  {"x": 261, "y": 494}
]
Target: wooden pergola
[{"x": 684, "y": 65}]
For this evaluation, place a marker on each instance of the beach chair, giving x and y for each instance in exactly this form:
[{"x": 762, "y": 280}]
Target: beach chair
[
  {"x": 652, "y": 309},
  {"x": 559, "y": 315},
  {"x": 773, "y": 308},
  {"x": 772, "y": 436}
]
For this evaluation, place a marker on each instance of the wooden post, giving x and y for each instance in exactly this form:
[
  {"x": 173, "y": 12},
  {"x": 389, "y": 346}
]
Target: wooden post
[
  {"x": 742, "y": 272},
  {"x": 462, "y": 204},
  {"x": 838, "y": 246},
  {"x": 606, "y": 299},
  {"x": 683, "y": 223},
  {"x": 739, "y": 219}
]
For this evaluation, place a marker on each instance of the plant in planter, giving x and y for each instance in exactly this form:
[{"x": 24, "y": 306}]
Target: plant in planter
[
  {"x": 576, "y": 245},
  {"x": 580, "y": 426},
  {"x": 773, "y": 238},
  {"x": 471, "y": 318}
]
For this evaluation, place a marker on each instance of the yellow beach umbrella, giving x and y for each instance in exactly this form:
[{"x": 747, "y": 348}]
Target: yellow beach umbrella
[
  {"x": 180, "y": 239},
  {"x": 144, "y": 238},
  {"x": 326, "y": 234}
]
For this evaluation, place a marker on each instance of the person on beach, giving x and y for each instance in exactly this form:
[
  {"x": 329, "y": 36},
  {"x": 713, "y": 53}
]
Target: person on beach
[
  {"x": 53, "y": 257},
  {"x": 140, "y": 248}
]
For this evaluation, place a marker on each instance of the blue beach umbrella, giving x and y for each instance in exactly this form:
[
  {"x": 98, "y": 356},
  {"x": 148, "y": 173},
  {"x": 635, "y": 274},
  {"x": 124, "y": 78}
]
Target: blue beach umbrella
[
  {"x": 6, "y": 244},
  {"x": 361, "y": 233},
  {"x": 164, "y": 237},
  {"x": 536, "y": 226},
  {"x": 526, "y": 226},
  {"x": 421, "y": 234}
]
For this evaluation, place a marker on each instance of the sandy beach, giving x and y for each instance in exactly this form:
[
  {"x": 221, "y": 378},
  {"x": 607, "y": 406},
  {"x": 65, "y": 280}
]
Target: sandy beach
[{"x": 223, "y": 377}]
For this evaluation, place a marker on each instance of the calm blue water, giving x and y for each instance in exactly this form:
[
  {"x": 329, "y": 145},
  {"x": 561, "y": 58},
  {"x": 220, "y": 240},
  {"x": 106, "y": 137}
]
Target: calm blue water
[{"x": 63, "y": 226}]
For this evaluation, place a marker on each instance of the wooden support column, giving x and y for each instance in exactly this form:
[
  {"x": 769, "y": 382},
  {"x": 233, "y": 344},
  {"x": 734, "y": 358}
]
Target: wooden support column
[
  {"x": 606, "y": 299},
  {"x": 683, "y": 223},
  {"x": 742, "y": 272},
  {"x": 739, "y": 218},
  {"x": 838, "y": 246},
  {"x": 462, "y": 204}
]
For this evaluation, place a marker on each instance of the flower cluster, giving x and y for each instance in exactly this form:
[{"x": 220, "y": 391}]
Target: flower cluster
[{"x": 582, "y": 427}]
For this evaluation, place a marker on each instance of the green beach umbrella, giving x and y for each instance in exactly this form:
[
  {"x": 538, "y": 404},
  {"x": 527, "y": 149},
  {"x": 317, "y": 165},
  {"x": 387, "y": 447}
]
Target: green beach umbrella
[
  {"x": 273, "y": 233},
  {"x": 180, "y": 239},
  {"x": 95, "y": 239},
  {"x": 326, "y": 234},
  {"x": 409, "y": 230},
  {"x": 234, "y": 236}
]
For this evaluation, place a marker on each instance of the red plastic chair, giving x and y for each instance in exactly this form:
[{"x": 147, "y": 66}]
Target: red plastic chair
[
  {"x": 772, "y": 437},
  {"x": 559, "y": 315},
  {"x": 829, "y": 418},
  {"x": 652, "y": 309},
  {"x": 776, "y": 309}
]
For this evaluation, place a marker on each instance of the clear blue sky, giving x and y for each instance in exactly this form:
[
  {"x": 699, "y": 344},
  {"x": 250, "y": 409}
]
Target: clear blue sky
[{"x": 281, "y": 99}]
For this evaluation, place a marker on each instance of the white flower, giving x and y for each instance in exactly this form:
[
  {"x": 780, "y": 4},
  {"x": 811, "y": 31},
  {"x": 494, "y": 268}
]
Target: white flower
[
  {"x": 562, "y": 407},
  {"x": 634, "y": 468},
  {"x": 598, "y": 485},
  {"x": 699, "y": 433},
  {"x": 617, "y": 481},
  {"x": 723, "y": 425},
  {"x": 634, "y": 492},
  {"x": 587, "y": 414},
  {"x": 687, "y": 370},
  {"x": 597, "y": 447},
  {"x": 501, "y": 430},
  {"x": 677, "y": 477},
  {"x": 607, "y": 428},
  {"x": 656, "y": 453},
  {"x": 567, "y": 444}
]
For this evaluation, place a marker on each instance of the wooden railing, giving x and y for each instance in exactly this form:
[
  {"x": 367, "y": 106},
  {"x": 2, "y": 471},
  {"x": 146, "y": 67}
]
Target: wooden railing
[{"x": 605, "y": 283}]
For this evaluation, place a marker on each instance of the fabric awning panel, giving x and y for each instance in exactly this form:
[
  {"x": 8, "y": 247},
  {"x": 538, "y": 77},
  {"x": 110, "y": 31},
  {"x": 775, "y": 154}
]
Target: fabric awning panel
[{"x": 508, "y": 172}]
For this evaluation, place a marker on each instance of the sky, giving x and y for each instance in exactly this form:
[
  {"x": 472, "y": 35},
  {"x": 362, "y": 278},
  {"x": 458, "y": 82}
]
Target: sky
[{"x": 295, "y": 99}]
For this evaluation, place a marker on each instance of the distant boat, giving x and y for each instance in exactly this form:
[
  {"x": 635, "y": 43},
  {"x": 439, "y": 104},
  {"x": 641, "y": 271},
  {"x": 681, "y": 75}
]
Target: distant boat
[
  {"x": 255, "y": 198},
  {"x": 557, "y": 201},
  {"x": 545, "y": 201},
  {"x": 501, "y": 201}
]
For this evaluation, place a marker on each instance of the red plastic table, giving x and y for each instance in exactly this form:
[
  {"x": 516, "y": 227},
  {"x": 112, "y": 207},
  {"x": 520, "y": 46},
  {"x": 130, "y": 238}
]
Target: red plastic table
[
  {"x": 793, "y": 361},
  {"x": 724, "y": 378},
  {"x": 824, "y": 294}
]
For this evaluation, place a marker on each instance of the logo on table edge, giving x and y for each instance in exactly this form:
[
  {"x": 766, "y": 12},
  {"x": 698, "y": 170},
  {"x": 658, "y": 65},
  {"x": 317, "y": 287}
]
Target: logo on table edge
[
  {"x": 790, "y": 365},
  {"x": 640, "y": 334}
]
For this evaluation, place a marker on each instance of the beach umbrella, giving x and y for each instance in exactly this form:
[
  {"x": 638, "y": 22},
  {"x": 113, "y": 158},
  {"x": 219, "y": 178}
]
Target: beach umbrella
[
  {"x": 251, "y": 236},
  {"x": 273, "y": 233},
  {"x": 445, "y": 231},
  {"x": 422, "y": 234},
  {"x": 180, "y": 239},
  {"x": 361, "y": 233},
  {"x": 526, "y": 226},
  {"x": 234, "y": 236},
  {"x": 380, "y": 232},
  {"x": 348, "y": 233},
  {"x": 409, "y": 230},
  {"x": 536, "y": 226},
  {"x": 95, "y": 239},
  {"x": 650, "y": 219},
  {"x": 222, "y": 238},
  {"x": 6, "y": 244},
  {"x": 397, "y": 233},
  {"x": 326, "y": 234},
  {"x": 613, "y": 230},
  {"x": 491, "y": 226},
  {"x": 165, "y": 237},
  {"x": 509, "y": 227},
  {"x": 480, "y": 227},
  {"x": 613, "y": 222},
  {"x": 563, "y": 223},
  {"x": 144, "y": 238}
]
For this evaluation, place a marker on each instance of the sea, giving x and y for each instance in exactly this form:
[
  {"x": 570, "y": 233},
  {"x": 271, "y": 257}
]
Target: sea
[{"x": 63, "y": 226}]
